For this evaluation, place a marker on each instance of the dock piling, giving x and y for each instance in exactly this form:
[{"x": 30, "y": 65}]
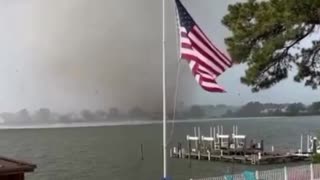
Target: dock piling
[
  {"x": 301, "y": 144},
  {"x": 236, "y": 132},
  {"x": 141, "y": 149},
  {"x": 183, "y": 152},
  {"x": 308, "y": 143},
  {"x": 189, "y": 149},
  {"x": 311, "y": 172},
  {"x": 285, "y": 173},
  {"x": 221, "y": 129},
  {"x": 314, "y": 145},
  {"x": 195, "y": 134}
]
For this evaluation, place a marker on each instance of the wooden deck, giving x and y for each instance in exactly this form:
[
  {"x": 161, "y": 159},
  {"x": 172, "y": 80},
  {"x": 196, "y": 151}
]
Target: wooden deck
[{"x": 11, "y": 169}]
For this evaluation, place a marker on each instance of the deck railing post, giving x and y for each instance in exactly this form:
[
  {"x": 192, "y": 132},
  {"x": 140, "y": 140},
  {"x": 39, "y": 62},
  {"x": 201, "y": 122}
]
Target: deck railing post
[
  {"x": 311, "y": 172},
  {"x": 285, "y": 171}
]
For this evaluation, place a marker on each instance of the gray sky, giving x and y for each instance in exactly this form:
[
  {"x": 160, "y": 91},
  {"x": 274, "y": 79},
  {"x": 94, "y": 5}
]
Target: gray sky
[{"x": 74, "y": 54}]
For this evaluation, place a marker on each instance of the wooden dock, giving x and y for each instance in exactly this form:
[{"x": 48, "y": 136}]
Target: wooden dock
[
  {"x": 234, "y": 148},
  {"x": 247, "y": 159}
]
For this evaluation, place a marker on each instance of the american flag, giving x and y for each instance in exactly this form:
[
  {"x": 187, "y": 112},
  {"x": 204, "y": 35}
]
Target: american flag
[{"x": 206, "y": 61}]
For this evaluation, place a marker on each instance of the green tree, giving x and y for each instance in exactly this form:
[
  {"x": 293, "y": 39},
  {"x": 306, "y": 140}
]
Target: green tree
[
  {"x": 314, "y": 107},
  {"x": 88, "y": 115},
  {"x": 136, "y": 112},
  {"x": 43, "y": 114},
  {"x": 250, "y": 109},
  {"x": 113, "y": 113},
  {"x": 196, "y": 111},
  {"x": 295, "y": 108},
  {"x": 266, "y": 35},
  {"x": 23, "y": 115}
]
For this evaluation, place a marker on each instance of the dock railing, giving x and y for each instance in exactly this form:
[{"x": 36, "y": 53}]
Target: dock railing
[{"x": 305, "y": 172}]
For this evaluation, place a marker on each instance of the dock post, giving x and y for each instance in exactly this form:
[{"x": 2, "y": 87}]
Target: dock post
[
  {"x": 285, "y": 173},
  {"x": 195, "y": 135},
  {"x": 245, "y": 146},
  {"x": 199, "y": 141},
  {"x": 229, "y": 143},
  {"x": 233, "y": 129},
  {"x": 189, "y": 149},
  {"x": 179, "y": 150},
  {"x": 314, "y": 145},
  {"x": 311, "y": 172},
  {"x": 209, "y": 156},
  {"x": 308, "y": 143},
  {"x": 214, "y": 137},
  {"x": 262, "y": 146},
  {"x": 141, "y": 149},
  {"x": 301, "y": 144},
  {"x": 199, "y": 155},
  {"x": 183, "y": 152},
  {"x": 236, "y": 129},
  {"x": 221, "y": 129},
  {"x": 272, "y": 148}
]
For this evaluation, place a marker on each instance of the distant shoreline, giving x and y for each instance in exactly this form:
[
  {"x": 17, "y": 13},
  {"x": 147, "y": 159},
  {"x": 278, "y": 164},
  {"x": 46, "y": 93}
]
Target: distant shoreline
[{"x": 129, "y": 123}]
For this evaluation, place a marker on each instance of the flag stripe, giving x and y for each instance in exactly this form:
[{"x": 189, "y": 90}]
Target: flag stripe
[
  {"x": 206, "y": 71},
  {"x": 203, "y": 49},
  {"x": 217, "y": 54},
  {"x": 206, "y": 77},
  {"x": 210, "y": 84},
  {"x": 213, "y": 47},
  {"x": 184, "y": 34},
  {"x": 203, "y": 59},
  {"x": 186, "y": 46},
  {"x": 194, "y": 58},
  {"x": 191, "y": 54}
]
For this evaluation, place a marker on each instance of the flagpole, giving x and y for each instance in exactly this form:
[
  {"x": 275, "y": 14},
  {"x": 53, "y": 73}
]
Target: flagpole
[{"x": 164, "y": 92}]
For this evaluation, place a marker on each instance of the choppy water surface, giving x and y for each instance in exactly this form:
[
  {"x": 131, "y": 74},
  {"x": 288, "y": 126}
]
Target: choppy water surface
[{"x": 113, "y": 152}]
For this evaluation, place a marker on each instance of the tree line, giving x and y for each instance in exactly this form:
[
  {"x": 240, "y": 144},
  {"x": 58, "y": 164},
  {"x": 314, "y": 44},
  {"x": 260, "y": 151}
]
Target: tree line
[
  {"x": 251, "y": 109},
  {"x": 257, "y": 109}
]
